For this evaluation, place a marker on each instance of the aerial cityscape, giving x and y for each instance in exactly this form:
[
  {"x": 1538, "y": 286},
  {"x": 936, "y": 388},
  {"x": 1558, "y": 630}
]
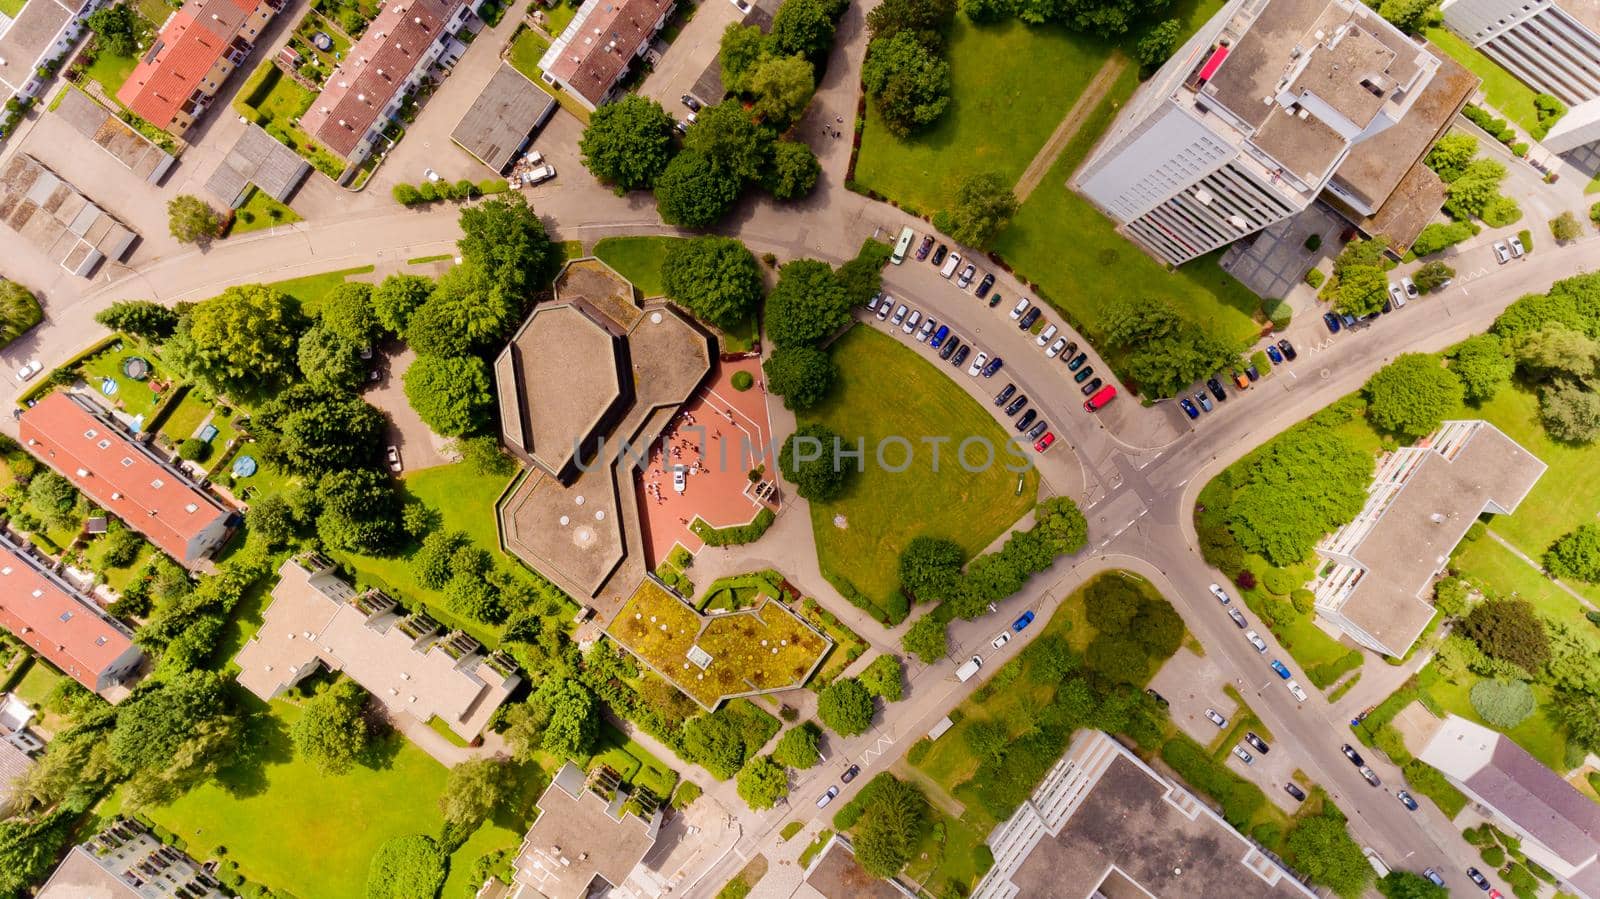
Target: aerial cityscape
[{"x": 799, "y": 449}]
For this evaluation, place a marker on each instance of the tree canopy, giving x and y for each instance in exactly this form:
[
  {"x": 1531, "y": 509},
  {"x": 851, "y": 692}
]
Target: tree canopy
[
  {"x": 243, "y": 340},
  {"x": 464, "y": 312},
  {"x": 930, "y": 567},
  {"x": 762, "y": 782},
  {"x": 1164, "y": 352},
  {"x": 909, "y": 83},
  {"x": 810, "y": 460},
  {"x": 1483, "y": 366},
  {"x": 1576, "y": 554},
  {"x": 574, "y": 717},
  {"x": 798, "y": 747},
  {"x": 730, "y": 140},
  {"x": 311, "y": 430},
  {"x": 1321, "y": 847},
  {"x": 348, "y": 312},
  {"x": 1318, "y": 472},
  {"x": 503, "y": 238},
  {"x": 807, "y": 305},
  {"x": 396, "y": 298},
  {"x": 628, "y": 143},
  {"x": 716, "y": 278},
  {"x": 143, "y": 319},
  {"x": 806, "y": 27},
  {"x": 1411, "y": 395},
  {"x": 889, "y": 826},
  {"x": 1406, "y": 885},
  {"x": 407, "y": 867},
  {"x": 801, "y": 375},
  {"x": 473, "y": 790},
  {"x": 191, "y": 219},
  {"x": 782, "y": 87},
  {"x": 845, "y": 707},
  {"x": 450, "y": 393},
  {"x": 984, "y": 205},
  {"x": 792, "y": 171},
  {"x": 332, "y": 730},
  {"x": 329, "y": 360},
  {"x": 927, "y": 639},
  {"x": 694, "y": 193},
  {"x": 884, "y": 677},
  {"x": 1509, "y": 630}
]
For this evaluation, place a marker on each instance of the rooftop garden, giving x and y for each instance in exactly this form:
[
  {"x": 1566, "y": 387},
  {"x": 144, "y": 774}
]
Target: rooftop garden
[{"x": 768, "y": 648}]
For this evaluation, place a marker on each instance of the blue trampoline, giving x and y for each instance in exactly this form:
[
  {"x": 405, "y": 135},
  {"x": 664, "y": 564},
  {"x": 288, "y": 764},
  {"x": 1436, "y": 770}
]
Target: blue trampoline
[
  {"x": 244, "y": 466},
  {"x": 207, "y": 433},
  {"x": 108, "y": 386}
]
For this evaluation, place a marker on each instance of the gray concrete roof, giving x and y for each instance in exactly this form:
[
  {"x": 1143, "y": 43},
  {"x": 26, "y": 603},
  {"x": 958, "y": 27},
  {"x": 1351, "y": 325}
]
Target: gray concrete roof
[
  {"x": 573, "y": 534},
  {"x": 256, "y": 158},
  {"x": 499, "y": 122},
  {"x": 579, "y": 837},
  {"x": 62, "y": 223}
]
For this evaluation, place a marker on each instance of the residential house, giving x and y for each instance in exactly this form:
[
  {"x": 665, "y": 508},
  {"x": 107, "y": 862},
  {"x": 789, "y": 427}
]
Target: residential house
[
  {"x": 198, "y": 48},
  {"x": 39, "y": 36},
  {"x": 596, "y": 50}
]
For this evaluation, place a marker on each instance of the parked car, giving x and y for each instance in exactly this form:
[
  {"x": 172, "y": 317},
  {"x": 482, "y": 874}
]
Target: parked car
[
  {"x": 1068, "y": 351},
  {"x": 1016, "y": 406},
  {"x": 994, "y": 365},
  {"x": 1054, "y": 349},
  {"x": 949, "y": 348},
  {"x": 1281, "y": 669},
  {"x": 1433, "y": 876},
  {"x": 1026, "y": 420},
  {"x": 1021, "y": 307},
  {"x": 978, "y": 364},
  {"x": 1296, "y": 691},
  {"x": 1047, "y": 335},
  {"x": 1371, "y": 776},
  {"x": 1406, "y": 800},
  {"x": 985, "y": 285},
  {"x": 960, "y": 355},
  {"x": 1043, "y": 443},
  {"x": 911, "y": 321},
  {"x": 926, "y": 330},
  {"x": 1501, "y": 252},
  {"x": 994, "y": 299},
  {"x": 1214, "y": 718},
  {"x": 29, "y": 369},
  {"x": 1102, "y": 396},
  {"x": 1397, "y": 296},
  {"x": 1204, "y": 401},
  {"x": 1256, "y": 743},
  {"x": 1238, "y": 618},
  {"x": 1037, "y": 431},
  {"x": 938, "y": 255},
  {"x": 969, "y": 668},
  {"x": 1029, "y": 318},
  {"x": 1332, "y": 321},
  {"x": 1351, "y": 754},
  {"x": 1295, "y": 791},
  {"x": 391, "y": 454},
  {"x": 1006, "y": 393},
  {"x": 938, "y": 336},
  {"x": 1160, "y": 700},
  {"x": 966, "y": 276},
  {"x": 1253, "y": 373},
  {"x": 431, "y": 175},
  {"x": 1083, "y": 374},
  {"x": 925, "y": 247},
  {"x": 692, "y": 103},
  {"x": 899, "y": 315},
  {"x": 1410, "y": 288},
  {"x": 1477, "y": 878},
  {"x": 1244, "y": 755},
  {"x": 1091, "y": 387},
  {"x": 540, "y": 174},
  {"x": 1077, "y": 361},
  {"x": 950, "y": 265},
  {"x": 1189, "y": 408},
  {"x": 1517, "y": 249},
  {"x": 1002, "y": 640},
  {"x": 1274, "y": 354},
  {"x": 1239, "y": 380},
  {"x": 872, "y": 304},
  {"x": 1256, "y": 641},
  {"x": 885, "y": 306},
  {"x": 1022, "y": 622},
  {"x": 827, "y": 797},
  {"x": 1288, "y": 349},
  {"x": 1215, "y": 386},
  {"x": 1221, "y": 594},
  {"x": 850, "y": 773}
]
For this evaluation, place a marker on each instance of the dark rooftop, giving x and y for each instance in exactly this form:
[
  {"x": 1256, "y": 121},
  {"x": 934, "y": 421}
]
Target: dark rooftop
[{"x": 498, "y": 123}]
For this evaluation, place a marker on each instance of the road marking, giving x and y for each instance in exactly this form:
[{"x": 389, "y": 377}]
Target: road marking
[{"x": 877, "y": 749}]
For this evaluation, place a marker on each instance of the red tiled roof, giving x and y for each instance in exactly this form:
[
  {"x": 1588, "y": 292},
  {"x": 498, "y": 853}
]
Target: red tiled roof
[
  {"x": 373, "y": 70},
  {"x": 121, "y": 477},
  {"x": 603, "y": 42},
  {"x": 55, "y": 622},
  {"x": 190, "y": 44}
]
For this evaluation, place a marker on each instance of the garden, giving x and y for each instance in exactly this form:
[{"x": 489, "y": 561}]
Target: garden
[
  {"x": 276, "y": 102},
  {"x": 768, "y": 648},
  {"x": 260, "y": 211},
  {"x": 860, "y": 535}
]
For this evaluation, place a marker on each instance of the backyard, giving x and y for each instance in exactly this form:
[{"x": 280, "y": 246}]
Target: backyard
[
  {"x": 137, "y": 397},
  {"x": 527, "y": 48},
  {"x": 767, "y": 648},
  {"x": 109, "y": 70},
  {"x": 276, "y": 103},
  {"x": 261, "y": 211},
  {"x": 884, "y": 510}
]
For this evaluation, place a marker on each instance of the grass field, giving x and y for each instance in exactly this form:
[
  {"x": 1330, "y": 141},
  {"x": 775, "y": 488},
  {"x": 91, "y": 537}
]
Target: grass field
[
  {"x": 10, "y": 8},
  {"x": 261, "y": 211},
  {"x": 638, "y": 259},
  {"x": 1508, "y": 96},
  {"x": 526, "y": 50},
  {"x": 885, "y": 509},
  {"x": 185, "y": 418},
  {"x": 313, "y": 289}
]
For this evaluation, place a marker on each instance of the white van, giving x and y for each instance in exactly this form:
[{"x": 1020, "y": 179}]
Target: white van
[
  {"x": 902, "y": 245},
  {"x": 1376, "y": 862},
  {"x": 950, "y": 265},
  {"x": 966, "y": 671}
]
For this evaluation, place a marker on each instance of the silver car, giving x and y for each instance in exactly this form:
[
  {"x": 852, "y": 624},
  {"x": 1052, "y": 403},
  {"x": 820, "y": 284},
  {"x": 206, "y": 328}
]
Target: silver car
[
  {"x": 1055, "y": 348},
  {"x": 911, "y": 322},
  {"x": 827, "y": 797},
  {"x": 966, "y": 276},
  {"x": 928, "y": 324}
]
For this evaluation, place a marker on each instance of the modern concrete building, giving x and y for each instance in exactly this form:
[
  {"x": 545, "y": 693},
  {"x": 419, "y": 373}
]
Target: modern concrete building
[
  {"x": 503, "y": 119},
  {"x": 405, "y": 660},
  {"x": 1104, "y": 824},
  {"x": 125, "y": 861},
  {"x": 596, "y": 50},
  {"x": 583, "y": 835},
  {"x": 63, "y": 224},
  {"x": 1550, "y": 47},
  {"x": 199, "y": 46},
  {"x": 122, "y": 475},
  {"x": 1559, "y": 826},
  {"x": 1256, "y": 116},
  {"x": 40, "y": 34},
  {"x": 1376, "y": 584},
  {"x": 390, "y": 60},
  {"x": 62, "y": 625}
]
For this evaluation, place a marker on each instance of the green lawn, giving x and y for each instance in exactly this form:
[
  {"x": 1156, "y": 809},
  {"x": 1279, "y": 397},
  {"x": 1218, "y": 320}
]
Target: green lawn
[
  {"x": 133, "y": 397},
  {"x": 117, "y": 578},
  {"x": 559, "y": 16},
  {"x": 261, "y": 211},
  {"x": 526, "y": 50},
  {"x": 110, "y": 70},
  {"x": 276, "y": 104},
  {"x": 1538, "y": 734},
  {"x": 638, "y": 259},
  {"x": 885, "y": 509},
  {"x": 185, "y": 419},
  {"x": 10, "y": 8},
  {"x": 38, "y": 682},
  {"x": 1508, "y": 96},
  {"x": 313, "y": 289}
]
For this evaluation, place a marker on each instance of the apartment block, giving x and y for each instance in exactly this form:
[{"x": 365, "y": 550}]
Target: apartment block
[
  {"x": 199, "y": 46},
  {"x": 125, "y": 861}
]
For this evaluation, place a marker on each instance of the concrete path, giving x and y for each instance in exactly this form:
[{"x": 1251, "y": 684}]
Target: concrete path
[{"x": 1070, "y": 124}]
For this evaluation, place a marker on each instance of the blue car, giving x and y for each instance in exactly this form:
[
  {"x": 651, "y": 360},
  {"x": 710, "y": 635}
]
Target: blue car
[
  {"x": 1189, "y": 408},
  {"x": 1022, "y": 622},
  {"x": 1274, "y": 354},
  {"x": 993, "y": 366},
  {"x": 1278, "y": 667},
  {"x": 942, "y": 333},
  {"x": 1332, "y": 321}
]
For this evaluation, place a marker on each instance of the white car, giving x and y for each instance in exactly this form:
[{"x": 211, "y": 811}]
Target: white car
[
  {"x": 827, "y": 797},
  {"x": 1055, "y": 348},
  {"x": 28, "y": 370},
  {"x": 885, "y": 306},
  {"x": 1046, "y": 335},
  {"x": 926, "y": 331},
  {"x": 1214, "y": 718},
  {"x": 392, "y": 454},
  {"x": 1220, "y": 594},
  {"x": 1396, "y": 295},
  {"x": 911, "y": 321},
  {"x": 680, "y": 478},
  {"x": 899, "y": 316},
  {"x": 978, "y": 363},
  {"x": 539, "y": 175},
  {"x": 1003, "y": 639},
  {"x": 431, "y": 175},
  {"x": 1243, "y": 754},
  {"x": 1256, "y": 641},
  {"x": 872, "y": 304},
  {"x": 1516, "y": 246},
  {"x": 1021, "y": 307},
  {"x": 1294, "y": 689},
  {"x": 533, "y": 157},
  {"x": 1501, "y": 252},
  {"x": 1410, "y": 286}
]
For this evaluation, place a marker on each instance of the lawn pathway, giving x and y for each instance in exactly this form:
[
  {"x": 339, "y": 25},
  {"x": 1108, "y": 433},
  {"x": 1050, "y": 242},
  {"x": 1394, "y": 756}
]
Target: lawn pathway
[
  {"x": 1540, "y": 568},
  {"x": 1068, "y": 129}
]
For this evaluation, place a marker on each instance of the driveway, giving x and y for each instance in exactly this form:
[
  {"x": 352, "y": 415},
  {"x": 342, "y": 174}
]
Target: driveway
[
  {"x": 690, "y": 56},
  {"x": 419, "y": 446}
]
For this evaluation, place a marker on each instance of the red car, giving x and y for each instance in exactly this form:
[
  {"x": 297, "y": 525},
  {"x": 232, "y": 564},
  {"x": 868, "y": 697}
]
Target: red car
[
  {"x": 1102, "y": 396},
  {"x": 1043, "y": 443}
]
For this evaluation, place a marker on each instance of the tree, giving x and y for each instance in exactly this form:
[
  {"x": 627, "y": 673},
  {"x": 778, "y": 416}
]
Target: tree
[
  {"x": 1318, "y": 472},
  {"x": 792, "y": 172},
  {"x": 714, "y": 741},
  {"x": 930, "y": 567},
  {"x": 241, "y": 340},
  {"x": 628, "y": 143},
  {"x": 889, "y": 826},
  {"x": 1432, "y": 276},
  {"x": 396, "y": 298},
  {"x": 984, "y": 205},
  {"x": 360, "y": 511},
  {"x": 1322, "y": 848},
  {"x": 1410, "y": 16},
  {"x": 926, "y": 639},
  {"x": 1451, "y": 155},
  {"x": 19, "y": 310},
  {"x": 845, "y": 707},
  {"x": 332, "y": 731},
  {"x": 312, "y": 430},
  {"x": 114, "y": 30},
  {"x": 430, "y": 564},
  {"x": 1411, "y": 395},
  {"x": 1569, "y": 412},
  {"x": 54, "y": 497},
  {"x": 1361, "y": 291},
  {"x": 173, "y": 735},
  {"x": 192, "y": 220},
  {"x": 1554, "y": 351},
  {"x": 1406, "y": 885},
  {"x": 450, "y": 394},
  {"x": 143, "y": 319},
  {"x": 693, "y": 193},
  {"x": 348, "y": 313},
  {"x": 1119, "y": 657},
  {"x": 329, "y": 360},
  {"x": 407, "y": 867},
  {"x": 1576, "y": 554},
  {"x": 473, "y": 790},
  {"x": 1579, "y": 715},
  {"x": 1509, "y": 630},
  {"x": 806, "y": 27},
  {"x": 810, "y": 460},
  {"x": 465, "y": 311},
  {"x": 1437, "y": 236},
  {"x": 29, "y": 848},
  {"x": 742, "y": 48},
  {"x": 1565, "y": 227},
  {"x": 1502, "y": 704},
  {"x": 1158, "y": 43},
  {"x": 807, "y": 305},
  {"x": 986, "y": 12},
  {"x": 909, "y": 83},
  {"x": 504, "y": 239},
  {"x": 782, "y": 87},
  {"x": 1111, "y": 603},
  {"x": 762, "y": 782},
  {"x": 271, "y": 520},
  {"x": 716, "y": 278},
  {"x": 730, "y": 140},
  {"x": 1471, "y": 192},
  {"x": 801, "y": 375},
  {"x": 1164, "y": 352},
  {"x": 1158, "y": 628},
  {"x": 798, "y": 747},
  {"x": 885, "y": 677},
  {"x": 484, "y": 456},
  {"x": 926, "y": 20},
  {"x": 574, "y": 716}
]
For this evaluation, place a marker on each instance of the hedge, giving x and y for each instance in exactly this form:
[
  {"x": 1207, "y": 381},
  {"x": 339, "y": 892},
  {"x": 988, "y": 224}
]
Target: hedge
[
  {"x": 1239, "y": 798},
  {"x": 45, "y": 384},
  {"x": 736, "y": 535}
]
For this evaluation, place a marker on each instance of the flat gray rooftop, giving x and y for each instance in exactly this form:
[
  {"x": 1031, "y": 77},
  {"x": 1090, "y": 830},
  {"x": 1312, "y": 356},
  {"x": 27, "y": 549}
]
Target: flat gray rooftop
[
  {"x": 111, "y": 134},
  {"x": 498, "y": 123},
  {"x": 1260, "y": 58},
  {"x": 572, "y": 534},
  {"x": 564, "y": 369},
  {"x": 256, "y": 158}
]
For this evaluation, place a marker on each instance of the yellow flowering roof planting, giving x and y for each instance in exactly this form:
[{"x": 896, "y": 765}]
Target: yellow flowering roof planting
[{"x": 712, "y": 658}]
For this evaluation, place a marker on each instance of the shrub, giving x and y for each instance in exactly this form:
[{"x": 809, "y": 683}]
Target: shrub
[
  {"x": 1304, "y": 601},
  {"x": 1493, "y": 856},
  {"x": 1594, "y": 214},
  {"x": 1278, "y": 312},
  {"x": 192, "y": 450},
  {"x": 1502, "y": 704},
  {"x": 742, "y": 380},
  {"x": 1278, "y": 581},
  {"x": 1313, "y": 243},
  {"x": 1315, "y": 277},
  {"x": 1563, "y": 227},
  {"x": 1239, "y": 798}
]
